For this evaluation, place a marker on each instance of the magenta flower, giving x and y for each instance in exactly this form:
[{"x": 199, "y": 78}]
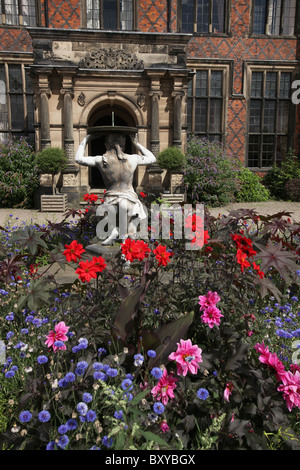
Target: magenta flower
[
  {"x": 211, "y": 299},
  {"x": 211, "y": 316},
  {"x": 187, "y": 357},
  {"x": 164, "y": 388},
  {"x": 270, "y": 359},
  {"x": 228, "y": 391},
  {"x": 291, "y": 389},
  {"x": 58, "y": 335}
]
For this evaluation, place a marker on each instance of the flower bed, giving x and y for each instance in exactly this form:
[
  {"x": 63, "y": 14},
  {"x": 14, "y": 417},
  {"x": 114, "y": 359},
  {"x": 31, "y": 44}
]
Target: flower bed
[{"x": 157, "y": 348}]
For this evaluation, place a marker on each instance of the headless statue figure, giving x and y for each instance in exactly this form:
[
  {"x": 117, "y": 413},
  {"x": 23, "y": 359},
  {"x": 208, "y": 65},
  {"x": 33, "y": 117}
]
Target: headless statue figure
[{"x": 117, "y": 169}]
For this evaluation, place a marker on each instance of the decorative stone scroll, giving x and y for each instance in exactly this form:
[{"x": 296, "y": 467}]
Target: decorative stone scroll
[{"x": 115, "y": 59}]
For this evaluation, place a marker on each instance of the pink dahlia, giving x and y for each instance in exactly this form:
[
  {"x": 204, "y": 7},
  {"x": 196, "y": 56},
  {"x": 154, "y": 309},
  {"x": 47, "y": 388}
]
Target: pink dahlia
[
  {"x": 187, "y": 357},
  {"x": 270, "y": 359},
  {"x": 208, "y": 300},
  {"x": 164, "y": 388},
  {"x": 58, "y": 335},
  {"x": 291, "y": 389},
  {"x": 211, "y": 316}
]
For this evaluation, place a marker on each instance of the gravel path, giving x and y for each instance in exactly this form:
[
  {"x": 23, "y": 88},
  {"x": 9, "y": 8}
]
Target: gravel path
[{"x": 18, "y": 216}]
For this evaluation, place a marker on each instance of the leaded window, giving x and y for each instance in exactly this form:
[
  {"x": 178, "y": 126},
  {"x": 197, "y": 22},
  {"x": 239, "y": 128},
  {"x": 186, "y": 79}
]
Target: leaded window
[
  {"x": 269, "y": 118},
  {"x": 110, "y": 14},
  {"x": 202, "y": 16},
  {"x": 205, "y": 104},
  {"x": 18, "y": 12},
  {"x": 274, "y": 17},
  {"x": 16, "y": 102}
]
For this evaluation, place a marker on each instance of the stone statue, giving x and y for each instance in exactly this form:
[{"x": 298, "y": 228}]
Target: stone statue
[{"x": 117, "y": 169}]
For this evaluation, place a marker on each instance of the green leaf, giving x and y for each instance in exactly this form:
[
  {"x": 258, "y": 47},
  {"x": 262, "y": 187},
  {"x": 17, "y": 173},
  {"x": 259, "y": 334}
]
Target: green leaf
[
  {"x": 139, "y": 397},
  {"x": 30, "y": 238},
  {"x": 38, "y": 292},
  {"x": 127, "y": 311},
  {"x": 282, "y": 260},
  {"x": 169, "y": 335},
  {"x": 150, "y": 436}
]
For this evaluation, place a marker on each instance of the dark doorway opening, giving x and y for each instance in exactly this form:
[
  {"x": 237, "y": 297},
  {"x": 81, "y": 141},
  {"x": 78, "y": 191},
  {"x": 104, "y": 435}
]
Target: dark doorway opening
[{"x": 98, "y": 146}]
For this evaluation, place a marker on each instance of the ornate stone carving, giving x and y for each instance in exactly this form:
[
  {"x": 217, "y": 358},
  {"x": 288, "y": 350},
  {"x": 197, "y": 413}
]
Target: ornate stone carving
[
  {"x": 115, "y": 59},
  {"x": 81, "y": 99}
]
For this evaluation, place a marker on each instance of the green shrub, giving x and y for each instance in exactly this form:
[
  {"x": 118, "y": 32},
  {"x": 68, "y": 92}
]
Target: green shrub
[
  {"x": 251, "y": 189},
  {"x": 210, "y": 176},
  {"x": 171, "y": 159},
  {"x": 278, "y": 176},
  {"x": 292, "y": 189},
  {"x": 51, "y": 161},
  {"x": 18, "y": 174}
]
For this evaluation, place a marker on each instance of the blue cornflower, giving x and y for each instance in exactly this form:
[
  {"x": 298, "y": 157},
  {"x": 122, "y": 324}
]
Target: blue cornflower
[
  {"x": 158, "y": 408},
  {"x": 138, "y": 360},
  {"x": 63, "y": 441},
  {"x": 44, "y": 416},
  {"x": 202, "y": 393},
  {"x": 51, "y": 445},
  {"x": 10, "y": 317},
  {"x": 95, "y": 448},
  {"x": 63, "y": 428},
  {"x": 82, "y": 364},
  {"x": 127, "y": 384},
  {"x": 98, "y": 375},
  {"x": 79, "y": 371},
  {"x": 42, "y": 359},
  {"x": 98, "y": 366},
  {"x": 106, "y": 441},
  {"x": 157, "y": 372},
  {"x": 127, "y": 396},
  {"x": 83, "y": 343},
  {"x": 71, "y": 424},
  {"x": 156, "y": 311},
  {"x": 70, "y": 377},
  {"x": 87, "y": 397},
  {"x": 9, "y": 374},
  {"x": 25, "y": 416},
  {"x": 82, "y": 408},
  {"x": 24, "y": 331},
  {"x": 112, "y": 372},
  {"x": 9, "y": 335},
  {"x": 294, "y": 298},
  {"x": 91, "y": 416},
  {"x": 118, "y": 414},
  {"x": 151, "y": 353},
  {"x": 63, "y": 382},
  {"x": 37, "y": 322},
  {"x": 58, "y": 344},
  {"x": 101, "y": 351}
]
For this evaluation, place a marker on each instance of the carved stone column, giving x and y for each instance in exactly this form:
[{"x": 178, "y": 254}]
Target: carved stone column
[
  {"x": 45, "y": 93},
  {"x": 155, "y": 94},
  {"x": 69, "y": 175},
  {"x": 155, "y": 171},
  {"x": 177, "y": 94}
]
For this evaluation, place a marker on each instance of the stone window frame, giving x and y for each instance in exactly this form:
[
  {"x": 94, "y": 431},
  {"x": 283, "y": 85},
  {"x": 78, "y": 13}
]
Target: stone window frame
[
  {"x": 84, "y": 19},
  {"x": 277, "y": 69},
  {"x": 24, "y": 96},
  {"x": 210, "y": 32},
  {"x": 226, "y": 69},
  {"x": 18, "y": 18},
  {"x": 269, "y": 18}
]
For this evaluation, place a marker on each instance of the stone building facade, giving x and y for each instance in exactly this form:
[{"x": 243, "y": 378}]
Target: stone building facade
[{"x": 220, "y": 69}]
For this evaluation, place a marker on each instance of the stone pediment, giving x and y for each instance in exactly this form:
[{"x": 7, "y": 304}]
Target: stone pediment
[{"x": 113, "y": 59}]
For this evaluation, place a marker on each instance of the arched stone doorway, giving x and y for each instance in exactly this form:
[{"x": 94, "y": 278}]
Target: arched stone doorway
[{"x": 107, "y": 116}]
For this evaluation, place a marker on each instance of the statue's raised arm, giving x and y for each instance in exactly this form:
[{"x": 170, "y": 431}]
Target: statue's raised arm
[
  {"x": 81, "y": 159},
  {"x": 147, "y": 156}
]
